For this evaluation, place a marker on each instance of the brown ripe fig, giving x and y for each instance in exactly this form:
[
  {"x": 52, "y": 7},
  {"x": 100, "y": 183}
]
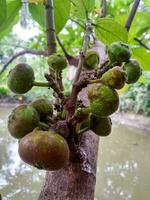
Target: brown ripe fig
[
  {"x": 104, "y": 100},
  {"x": 22, "y": 120},
  {"x": 44, "y": 150},
  {"x": 43, "y": 107},
  {"x": 114, "y": 78},
  {"x": 100, "y": 125},
  {"x": 91, "y": 60},
  {"x": 20, "y": 78}
]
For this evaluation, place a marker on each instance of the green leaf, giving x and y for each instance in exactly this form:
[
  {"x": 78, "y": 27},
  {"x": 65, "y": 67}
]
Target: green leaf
[
  {"x": 2, "y": 11},
  {"x": 12, "y": 17},
  {"x": 143, "y": 57},
  {"x": 37, "y": 11},
  {"x": 61, "y": 13},
  {"x": 108, "y": 31},
  {"x": 81, "y": 8}
]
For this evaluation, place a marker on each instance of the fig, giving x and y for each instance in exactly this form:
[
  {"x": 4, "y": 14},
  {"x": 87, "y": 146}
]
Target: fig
[
  {"x": 91, "y": 60},
  {"x": 22, "y": 120},
  {"x": 44, "y": 150},
  {"x": 43, "y": 107},
  {"x": 133, "y": 70},
  {"x": 57, "y": 62},
  {"x": 119, "y": 52},
  {"x": 20, "y": 79},
  {"x": 114, "y": 78},
  {"x": 100, "y": 126},
  {"x": 104, "y": 100}
]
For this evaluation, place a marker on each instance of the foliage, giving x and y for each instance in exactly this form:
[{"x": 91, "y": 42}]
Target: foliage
[
  {"x": 117, "y": 13},
  {"x": 137, "y": 97}
]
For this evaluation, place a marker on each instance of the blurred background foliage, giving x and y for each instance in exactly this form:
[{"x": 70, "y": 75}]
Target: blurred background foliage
[{"x": 135, "y": 98}]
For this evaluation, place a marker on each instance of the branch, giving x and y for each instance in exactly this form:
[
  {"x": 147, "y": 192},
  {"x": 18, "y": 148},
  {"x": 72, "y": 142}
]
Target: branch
[
  {"x": 50, "y": 27},
  {"x": 142, "y": 43},
  {"x": 104, "y": 8},
  {"x": 132, "y": 14},
  {"x": 78, "y": 83},
  {"x": 27, "y": 51},
  {"x": 88, "y": 32}
]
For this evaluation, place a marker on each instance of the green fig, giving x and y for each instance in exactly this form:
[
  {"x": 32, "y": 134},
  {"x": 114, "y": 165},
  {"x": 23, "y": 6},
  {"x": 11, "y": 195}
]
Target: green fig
[
  {"x": 119, "y": 52},
  {"x": 133, "y": 71},
  {"x": 57, "y": 62},
  {"x": 91, "y": 60},
  {"x": 104, "y": 100},
  {"x": 22, "y": 120},
  {"x": 43, "y": 107},
  {"x": 20, "y": 79},
  {"x": 114, "y": 78},
  {"x": 44, "y": 150},
  {"x": 100, "y": 126}
]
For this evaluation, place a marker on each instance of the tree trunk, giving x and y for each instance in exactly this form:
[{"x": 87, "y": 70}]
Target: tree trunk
[{"x": 75, "y": 181}]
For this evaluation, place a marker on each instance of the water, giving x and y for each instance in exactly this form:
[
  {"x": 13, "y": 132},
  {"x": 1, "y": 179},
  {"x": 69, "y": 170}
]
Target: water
[{"x": 123, "y": 166}]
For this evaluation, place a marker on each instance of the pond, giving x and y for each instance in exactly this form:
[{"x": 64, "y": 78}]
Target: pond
[{"x": 123, "y": 171}]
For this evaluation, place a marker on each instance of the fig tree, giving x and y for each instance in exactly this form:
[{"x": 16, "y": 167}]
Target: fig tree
[
  {"x": 57, "y": 62},
  {"x": 43, "y": 107},
  {"x": 22, "y": 120},
  {"x": 114, "y": 78},
  {"x": 104, "y": 100},
  {"x": 44, "y": 150},
  {"x": 100, "y": 126},
  {"x": 133, "y": 70},
  {"x": 119, "y": 52},
  {"x": 20, "y": 79},
  {"x": 91, "y": 60}
]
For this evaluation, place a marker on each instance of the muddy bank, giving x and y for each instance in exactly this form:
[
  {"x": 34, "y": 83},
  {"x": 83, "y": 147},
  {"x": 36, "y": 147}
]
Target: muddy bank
[{"x": 133, "y": 120}]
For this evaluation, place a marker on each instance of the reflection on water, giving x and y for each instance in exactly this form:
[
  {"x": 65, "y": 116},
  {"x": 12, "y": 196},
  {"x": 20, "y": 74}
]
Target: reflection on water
[{"x": 123, "y": 166}]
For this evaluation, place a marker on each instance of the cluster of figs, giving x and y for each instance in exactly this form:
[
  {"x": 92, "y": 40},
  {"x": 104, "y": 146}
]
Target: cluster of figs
[{"x": 39, "y": 144}]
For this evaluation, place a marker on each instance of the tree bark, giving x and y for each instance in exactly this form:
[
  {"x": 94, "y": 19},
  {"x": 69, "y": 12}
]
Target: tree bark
[{"x": 75, "y": 181}]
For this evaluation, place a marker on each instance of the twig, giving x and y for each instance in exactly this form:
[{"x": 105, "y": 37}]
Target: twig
[
  {"x": 50, "y": 27},
  {"x": 27, "y": 51},
  {"x": 104, "y": 8},
  {"x": 142, "y": 43},
  {"x": 54, "y": 85},
  {"x": 71, "y": 59},
  {"x": 62, "y": 47},
  {"x": 132, "y": 14}
]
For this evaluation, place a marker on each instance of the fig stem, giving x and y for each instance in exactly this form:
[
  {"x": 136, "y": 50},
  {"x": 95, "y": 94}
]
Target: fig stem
[
  {"x": 94, "y": 81},
  {"x": 43, "y": 126},
  {"x": 41, "y": 84},
  {"x": 83, "y": 130}
]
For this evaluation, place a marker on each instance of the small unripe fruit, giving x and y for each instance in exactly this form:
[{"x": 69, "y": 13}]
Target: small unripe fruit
[
  {"x": 43, "y": 107},
  {"x": 44, "y": 150},
  {"x": 133, "y": 71},
  {"x": 20, "y": 79},
  {"x": 103, "y": 100},
  {"x": 22, "y": 120},
  {"x": 114, "y": 78},
  {"x": 91, "y": 60},
  {"x": 119, "y": 52},
  {"x": 57, "y": 62},
  {"x": 100, "y": 126}
]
